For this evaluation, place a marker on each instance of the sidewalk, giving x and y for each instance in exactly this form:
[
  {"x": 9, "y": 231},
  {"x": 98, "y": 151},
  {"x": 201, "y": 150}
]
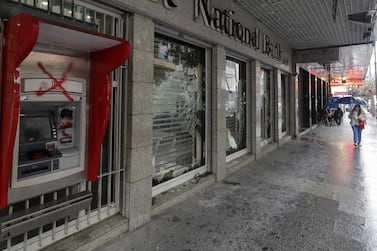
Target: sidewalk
[{"x": 316, "y": 193}]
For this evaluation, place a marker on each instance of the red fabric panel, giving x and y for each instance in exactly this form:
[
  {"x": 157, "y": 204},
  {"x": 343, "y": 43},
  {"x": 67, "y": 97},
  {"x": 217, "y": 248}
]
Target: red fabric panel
[
  {"x": 102, "y": 63},
  {"x": 21, "y": 34}
]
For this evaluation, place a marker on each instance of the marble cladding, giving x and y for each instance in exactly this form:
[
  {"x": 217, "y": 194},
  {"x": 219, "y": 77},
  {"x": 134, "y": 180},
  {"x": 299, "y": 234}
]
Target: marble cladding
[
  {"x": 142, "y": 159},
  {"x": 219, "y": 165},
  {"x": 139, "y": 130},
  {"x": 218, "y": 118},
  {"x": 141, "y": 102},
  {"x": 141, "y": 40},
  {"x": 139, "y": 123},
  {"x": 139, "y": 208},
  {"x": 141, "y": 66},
  {"x": 256, "y": 78}
]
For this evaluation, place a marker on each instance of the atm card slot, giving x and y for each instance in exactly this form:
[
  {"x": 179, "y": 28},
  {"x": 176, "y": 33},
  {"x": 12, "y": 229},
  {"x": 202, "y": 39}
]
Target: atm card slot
[
  {"x": 66, "y": 140},
  {"x": 33, "y": 169}
]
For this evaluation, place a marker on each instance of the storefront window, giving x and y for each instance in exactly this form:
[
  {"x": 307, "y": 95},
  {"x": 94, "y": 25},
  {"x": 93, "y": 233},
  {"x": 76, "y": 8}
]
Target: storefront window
[
  {"x": 178, "y": 109},
  {"x": 100, "y": 22},
  {"x": 89, "y": 15},
  {"x": 28, "y": 2},
  {"x": 67, "y": 11},
  {"x": 56, "y": 6},
  {"x": 235, "y": 106},
  {"x": 266, "y": 119},
  {"x": 109, "y": 25},
  {"x": 41, "y": 4},
  {"x": 79, "y": 12}
]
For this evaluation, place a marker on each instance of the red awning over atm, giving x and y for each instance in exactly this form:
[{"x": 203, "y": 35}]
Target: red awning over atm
[{"x": 22, "y": 33}]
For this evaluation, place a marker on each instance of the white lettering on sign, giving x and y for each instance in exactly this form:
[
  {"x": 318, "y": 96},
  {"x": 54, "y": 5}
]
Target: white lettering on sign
[
  {"x": 169, "y": 4},
  {"x": 224, "y": 21}
]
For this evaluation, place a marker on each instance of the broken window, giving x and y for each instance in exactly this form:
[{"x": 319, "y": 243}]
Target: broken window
[{"x": 178, "y": 109}]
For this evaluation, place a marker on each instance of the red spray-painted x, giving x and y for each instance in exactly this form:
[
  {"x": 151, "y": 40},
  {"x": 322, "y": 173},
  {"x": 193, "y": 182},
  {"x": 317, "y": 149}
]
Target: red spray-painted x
[{"x": 55, "y": 82}]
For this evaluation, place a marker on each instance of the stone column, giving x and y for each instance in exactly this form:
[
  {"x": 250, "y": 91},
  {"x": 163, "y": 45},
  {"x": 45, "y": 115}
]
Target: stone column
[
  {"x": 139, "y": 122},
  {"x": 278, "y": 106},
  {"x": 251, "y": 110},
  {"x": 258, "y": 90},
  {"x": 218, "y": 113}
]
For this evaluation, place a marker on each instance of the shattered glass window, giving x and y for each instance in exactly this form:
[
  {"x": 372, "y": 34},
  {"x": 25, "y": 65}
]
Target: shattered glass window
[
  {"x": 235, "y": 106},
  {"x": 178, "y": 109},
  {"x": 266, "y": 116}
]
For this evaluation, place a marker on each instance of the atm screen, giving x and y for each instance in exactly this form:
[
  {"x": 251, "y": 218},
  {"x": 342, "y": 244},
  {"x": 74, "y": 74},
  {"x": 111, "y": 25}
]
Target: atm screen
[{"x": 35, "y": 128}]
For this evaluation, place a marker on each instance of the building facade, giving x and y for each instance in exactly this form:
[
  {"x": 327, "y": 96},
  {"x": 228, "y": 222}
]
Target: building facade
[{"x": 206, "y": 89}]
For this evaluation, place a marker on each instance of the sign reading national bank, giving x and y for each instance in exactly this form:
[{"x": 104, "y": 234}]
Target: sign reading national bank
[
  {"x": 169, "y": 4},
  {"x": 223, "y": 21}
]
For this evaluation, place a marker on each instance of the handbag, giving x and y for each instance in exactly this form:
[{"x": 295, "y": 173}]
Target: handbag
[{"x": 361, "y": 124}]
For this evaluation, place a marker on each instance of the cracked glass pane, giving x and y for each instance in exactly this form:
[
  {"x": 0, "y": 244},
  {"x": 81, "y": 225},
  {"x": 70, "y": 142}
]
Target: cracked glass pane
[
  {"x": 178, "y": 109},
  {"x": 235, "y": 106},
  {"x": 266, "y": 118}
]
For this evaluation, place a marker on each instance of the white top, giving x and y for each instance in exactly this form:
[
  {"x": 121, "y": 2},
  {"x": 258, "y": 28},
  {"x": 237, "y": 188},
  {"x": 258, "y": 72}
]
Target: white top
[{"x": 355, "y": 117}]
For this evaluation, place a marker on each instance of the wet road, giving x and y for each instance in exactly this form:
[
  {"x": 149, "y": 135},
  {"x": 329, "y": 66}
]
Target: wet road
[{"x": 316, "y": 193}]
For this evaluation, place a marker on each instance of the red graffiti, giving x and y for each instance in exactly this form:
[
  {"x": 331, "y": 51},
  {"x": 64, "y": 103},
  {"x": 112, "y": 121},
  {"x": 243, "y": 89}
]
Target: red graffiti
[
  {"x": 17, "y": 85},
  {"x": 16, "y": 74},
  {"x": 56, "y": 83}
]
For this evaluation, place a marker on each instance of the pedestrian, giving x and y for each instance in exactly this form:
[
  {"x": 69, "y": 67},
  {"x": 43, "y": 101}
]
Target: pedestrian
[
  {"x": 338, "y": 116},
  {"x": 358, "y": 118}
]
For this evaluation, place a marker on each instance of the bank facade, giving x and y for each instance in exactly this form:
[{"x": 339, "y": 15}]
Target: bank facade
[{"x": 205, "y": 89}]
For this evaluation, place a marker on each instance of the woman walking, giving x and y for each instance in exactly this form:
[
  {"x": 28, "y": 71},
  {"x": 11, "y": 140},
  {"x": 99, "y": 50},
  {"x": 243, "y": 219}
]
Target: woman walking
[{"x": 358, "y": 118}]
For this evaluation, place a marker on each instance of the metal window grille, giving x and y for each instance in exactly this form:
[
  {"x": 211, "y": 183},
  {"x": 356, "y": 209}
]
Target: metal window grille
[{"x": 178, "y": 109}]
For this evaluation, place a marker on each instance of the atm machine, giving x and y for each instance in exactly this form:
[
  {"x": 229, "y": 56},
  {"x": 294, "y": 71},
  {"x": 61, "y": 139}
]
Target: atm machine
[
  {"x": 55, "y": 105},
  {"x": 51, "y": 132}
]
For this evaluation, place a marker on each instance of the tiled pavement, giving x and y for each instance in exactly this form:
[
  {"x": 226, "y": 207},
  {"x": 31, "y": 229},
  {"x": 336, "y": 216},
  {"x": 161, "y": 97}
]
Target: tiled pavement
[{"x": 315, "y": 193}]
